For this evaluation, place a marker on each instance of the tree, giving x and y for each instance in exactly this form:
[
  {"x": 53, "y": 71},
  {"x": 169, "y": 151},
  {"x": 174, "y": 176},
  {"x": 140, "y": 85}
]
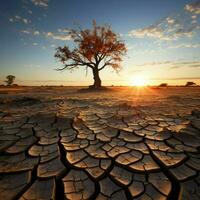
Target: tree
[
  {"x": 95, "y": 49},
  {"x": 190, "y": 84},
  {"x": 10, "y": 80}
]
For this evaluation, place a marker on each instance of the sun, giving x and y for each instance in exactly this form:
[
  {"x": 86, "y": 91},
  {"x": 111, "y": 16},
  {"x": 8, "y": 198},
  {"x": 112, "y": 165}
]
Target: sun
[{"x": 139, "y": 81}]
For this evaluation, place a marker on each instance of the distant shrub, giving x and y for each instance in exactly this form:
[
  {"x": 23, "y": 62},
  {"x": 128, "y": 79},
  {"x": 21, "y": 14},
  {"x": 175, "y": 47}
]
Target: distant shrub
[
  {"x": 190, "y": 83},
  {"x": 163, "y": 85},
  {"x": 9, "y": 80}
]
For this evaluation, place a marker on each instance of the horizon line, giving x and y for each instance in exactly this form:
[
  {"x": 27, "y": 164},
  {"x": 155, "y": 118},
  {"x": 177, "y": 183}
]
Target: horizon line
[{"x": 157, "y": 79}]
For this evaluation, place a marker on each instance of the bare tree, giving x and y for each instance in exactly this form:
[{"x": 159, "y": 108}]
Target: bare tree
[
  {"x": 95, "y": 49},
  {"x": 10, "y": 80}
]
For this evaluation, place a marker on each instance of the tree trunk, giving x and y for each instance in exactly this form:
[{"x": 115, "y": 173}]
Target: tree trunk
[{"x": 97, "y": 80}]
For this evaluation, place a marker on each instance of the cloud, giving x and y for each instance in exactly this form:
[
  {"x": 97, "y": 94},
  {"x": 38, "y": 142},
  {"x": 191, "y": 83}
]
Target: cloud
[
  {"x": 178, "y": 78},
  {"x": 170, "y": 20},
  {"x": 26, "y": 31},
  {"x": 151, "y": 31},
  {"x": 168, "y": 29},
  {"x": 29, "y": 31},
  {"x": 193, "y": 16},
  {"x": 59, "y": 36},
  {"x": 65, "y": 30},
  {"x": 62, "y": 34},
  {"x": 193, "y": 8},
  {"x": 193, "y": 64},
  {"x": 36, "y": 33},
  {"x": 184, "y": 46},
  {"x": 172, "y": 64},
  {"x": 158, "y": 31},
  {"x": 154, "y": 63},
  {"x": 41, "y": 3},
  {"x": 185, "y": 32},
  {"x": 172, "y": 27},
  {"x": 35, "y": 44},
  {"x": 18, "y": 18},
  {"x": 190, "y": 64},
  {"x": 25, "y": 21}
]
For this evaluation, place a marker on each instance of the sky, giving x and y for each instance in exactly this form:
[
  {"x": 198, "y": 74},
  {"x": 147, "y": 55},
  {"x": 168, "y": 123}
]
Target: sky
[{"x": 162, "y": 38}]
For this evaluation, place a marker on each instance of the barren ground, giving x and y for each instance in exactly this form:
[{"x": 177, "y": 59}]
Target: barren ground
[{"x": 124, "y": 143}]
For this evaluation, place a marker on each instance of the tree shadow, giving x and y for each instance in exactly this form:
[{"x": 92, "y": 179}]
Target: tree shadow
[{"x": 92, "y": 89}]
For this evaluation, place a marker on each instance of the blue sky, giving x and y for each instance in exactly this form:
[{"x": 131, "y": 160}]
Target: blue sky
[{"x": 163, "y": 39}]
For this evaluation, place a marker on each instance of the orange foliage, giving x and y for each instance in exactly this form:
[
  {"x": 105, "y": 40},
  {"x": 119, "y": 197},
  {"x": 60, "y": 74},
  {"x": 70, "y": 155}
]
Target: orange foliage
[{"x": 96, "y": 48}]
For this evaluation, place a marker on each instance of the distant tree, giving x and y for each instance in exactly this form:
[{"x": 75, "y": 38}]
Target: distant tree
[
  {"x": 95, "y": 48},
  {"x": 163, "y": 85},
  {"x": 10, "y": 80},
  {"x": 189, "y": 83}
]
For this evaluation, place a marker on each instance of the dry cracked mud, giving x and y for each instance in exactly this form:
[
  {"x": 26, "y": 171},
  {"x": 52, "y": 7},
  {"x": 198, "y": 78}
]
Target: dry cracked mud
[{"x": 73, "y": 148}]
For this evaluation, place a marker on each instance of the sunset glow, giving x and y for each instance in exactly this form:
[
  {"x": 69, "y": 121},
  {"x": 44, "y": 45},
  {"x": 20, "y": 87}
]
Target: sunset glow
[
  {"x": 139, "y": 81},
  {"x": 162, "y": 40}
]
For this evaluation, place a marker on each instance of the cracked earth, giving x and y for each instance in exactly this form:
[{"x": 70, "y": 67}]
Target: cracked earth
[{"x": 60, "y": 144}]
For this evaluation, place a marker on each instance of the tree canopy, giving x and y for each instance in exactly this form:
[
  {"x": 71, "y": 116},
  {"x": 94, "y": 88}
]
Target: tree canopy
[{"x": 9, "y": 80}]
